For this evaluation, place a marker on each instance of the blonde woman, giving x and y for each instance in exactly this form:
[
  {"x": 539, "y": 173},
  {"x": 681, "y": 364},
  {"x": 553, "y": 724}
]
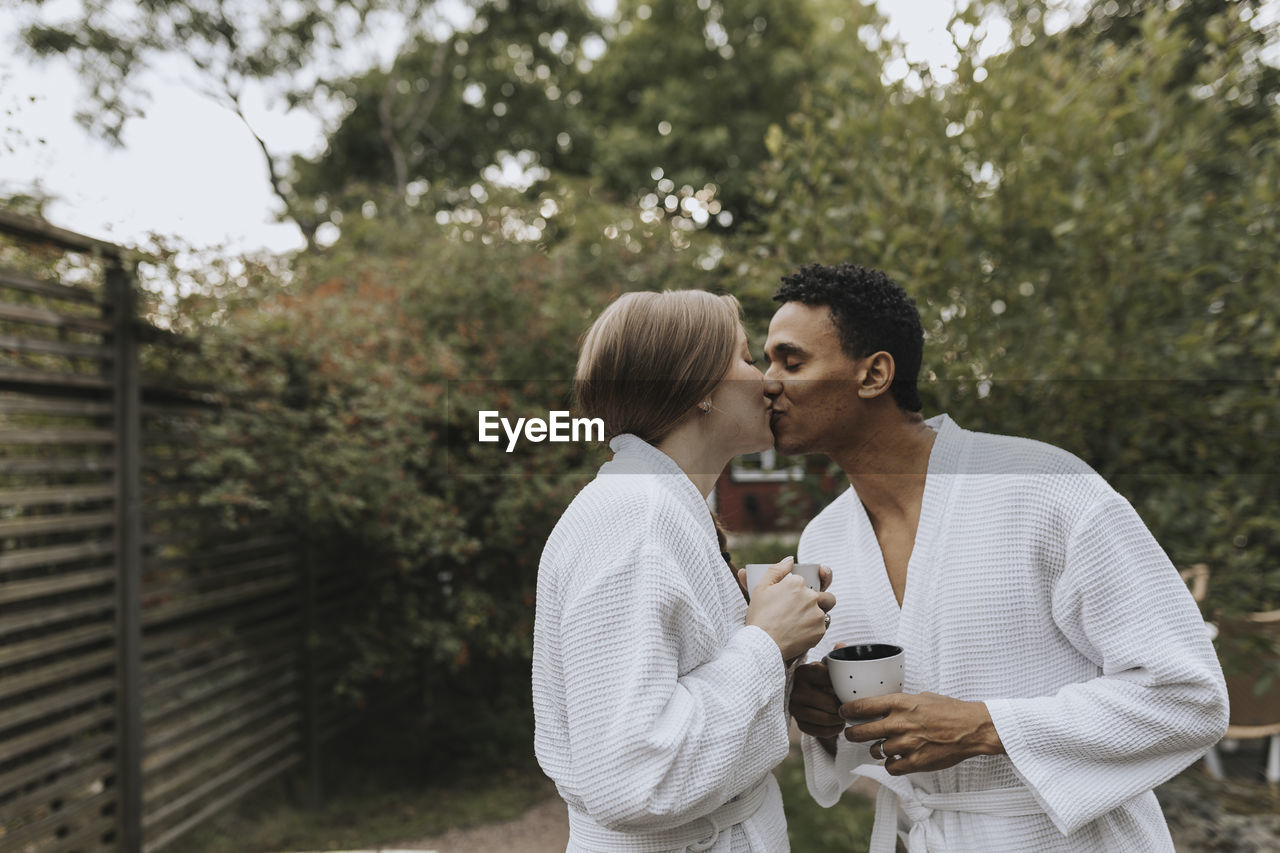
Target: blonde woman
[{"x": 658, "y": 692}]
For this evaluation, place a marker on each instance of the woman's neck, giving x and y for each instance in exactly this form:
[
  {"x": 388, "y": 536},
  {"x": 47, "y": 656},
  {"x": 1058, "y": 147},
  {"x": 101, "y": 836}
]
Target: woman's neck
[{"x": 701, "y": 463}]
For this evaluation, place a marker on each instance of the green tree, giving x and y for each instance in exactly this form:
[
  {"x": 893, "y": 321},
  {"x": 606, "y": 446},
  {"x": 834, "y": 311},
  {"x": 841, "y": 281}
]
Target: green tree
[
  {"x": 668, "y": 103},
  {"x": 288, "y": 47},
  {"x": 674, "y": 110},
  {"x": 454, "y": 103},
  {"x": 1200, "y": 23},
  {"x": 371, "y": 362},
  {"x": 1091, "y": 237},
  {"x": 687, "y": 91}
]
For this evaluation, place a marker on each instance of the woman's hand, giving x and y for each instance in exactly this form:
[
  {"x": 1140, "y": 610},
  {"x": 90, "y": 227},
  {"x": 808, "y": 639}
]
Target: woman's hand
[{"x": 784, "y": 607}]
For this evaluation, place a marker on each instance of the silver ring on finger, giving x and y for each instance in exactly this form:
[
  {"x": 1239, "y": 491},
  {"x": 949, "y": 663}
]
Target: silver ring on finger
[{"x": 826, "y": 620}]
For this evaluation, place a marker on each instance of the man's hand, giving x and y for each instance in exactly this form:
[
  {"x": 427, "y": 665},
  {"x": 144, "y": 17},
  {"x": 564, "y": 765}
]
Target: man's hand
[
  {"x": 815, "y": 705},
  {"x": 929, "y": 732}
]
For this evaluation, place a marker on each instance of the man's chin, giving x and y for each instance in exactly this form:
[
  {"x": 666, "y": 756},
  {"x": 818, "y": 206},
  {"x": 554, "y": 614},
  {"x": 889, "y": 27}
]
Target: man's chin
[{"x": 783, "y": 444}]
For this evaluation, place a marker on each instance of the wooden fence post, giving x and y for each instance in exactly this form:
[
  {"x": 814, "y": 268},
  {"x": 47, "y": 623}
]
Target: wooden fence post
[
  {"x": 239, "y": 684},
  {"x": 127, "y": 404},
  {"x": 314, "y": 792}
]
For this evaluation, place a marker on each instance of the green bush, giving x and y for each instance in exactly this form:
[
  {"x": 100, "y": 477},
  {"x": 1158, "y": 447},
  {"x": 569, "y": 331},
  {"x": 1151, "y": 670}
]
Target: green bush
[
  {"x": 365, "y": 368},
  {"x": 1089, "y": 227},
  {"x": 843, "y": 828},
  {"x": 1088, "y": 223}
]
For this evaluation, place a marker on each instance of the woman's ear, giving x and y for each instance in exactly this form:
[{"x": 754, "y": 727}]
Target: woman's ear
[{"x": 877, "y": 375}]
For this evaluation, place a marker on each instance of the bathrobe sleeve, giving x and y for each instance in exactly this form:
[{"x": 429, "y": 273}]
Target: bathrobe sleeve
[
  {"x": 653, "y": 745},
  {"x": 1159, "y": 701},
  {"x": 828, "y": 777}
]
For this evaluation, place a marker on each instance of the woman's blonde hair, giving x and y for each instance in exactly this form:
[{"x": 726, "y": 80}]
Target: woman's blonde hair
[{"x": 651, "y": 357}]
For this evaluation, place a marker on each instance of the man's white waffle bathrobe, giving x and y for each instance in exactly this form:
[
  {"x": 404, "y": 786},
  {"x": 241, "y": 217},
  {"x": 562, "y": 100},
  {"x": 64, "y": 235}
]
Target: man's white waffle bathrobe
[
  {"x": 1034, "y": 587},
  {"x": 654, "y": 704}
]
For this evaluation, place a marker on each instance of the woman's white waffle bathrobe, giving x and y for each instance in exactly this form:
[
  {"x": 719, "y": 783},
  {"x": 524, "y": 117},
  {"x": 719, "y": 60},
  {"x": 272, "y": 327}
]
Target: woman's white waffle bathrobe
[
  {"x": 1035, "y": 587},
  {"x": 654, "y": 704}
]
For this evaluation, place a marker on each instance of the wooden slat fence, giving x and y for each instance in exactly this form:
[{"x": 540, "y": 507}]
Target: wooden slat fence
[{"x": 154, "y": 662}]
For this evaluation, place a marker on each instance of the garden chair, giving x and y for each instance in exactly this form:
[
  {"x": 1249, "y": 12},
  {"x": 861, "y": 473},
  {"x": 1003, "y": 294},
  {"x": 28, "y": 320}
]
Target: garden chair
[{"x": 1252, "y": 715}]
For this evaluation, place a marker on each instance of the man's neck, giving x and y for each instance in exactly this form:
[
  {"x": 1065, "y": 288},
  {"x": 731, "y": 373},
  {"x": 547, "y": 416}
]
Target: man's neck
[{"x": 888, "y": 467}]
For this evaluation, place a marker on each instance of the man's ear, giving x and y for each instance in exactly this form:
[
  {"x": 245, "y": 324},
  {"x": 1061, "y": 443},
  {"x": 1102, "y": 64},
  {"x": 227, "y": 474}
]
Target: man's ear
[{"x": 877, "y": 375}]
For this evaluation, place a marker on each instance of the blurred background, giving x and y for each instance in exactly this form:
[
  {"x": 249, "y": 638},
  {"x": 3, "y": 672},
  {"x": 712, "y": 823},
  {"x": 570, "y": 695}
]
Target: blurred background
[{"x": 261, "y": 589}]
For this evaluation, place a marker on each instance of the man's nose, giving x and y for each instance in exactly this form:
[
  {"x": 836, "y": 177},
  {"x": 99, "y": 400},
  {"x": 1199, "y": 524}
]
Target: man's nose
[{"x": 772, "y": 387}]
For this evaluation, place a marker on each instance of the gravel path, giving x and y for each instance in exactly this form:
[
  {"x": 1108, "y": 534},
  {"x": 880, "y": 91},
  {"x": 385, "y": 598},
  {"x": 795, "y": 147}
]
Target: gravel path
[
  {"x": 1232, "y": 816},
  {"x": 542, "y": 829}
]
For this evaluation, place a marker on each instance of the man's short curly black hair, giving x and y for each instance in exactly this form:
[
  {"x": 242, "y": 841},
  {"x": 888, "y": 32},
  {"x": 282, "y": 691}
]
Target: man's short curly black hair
[{"x": 872, "y": 314}]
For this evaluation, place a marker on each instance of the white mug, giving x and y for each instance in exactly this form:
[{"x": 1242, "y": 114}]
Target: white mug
[
  {"x": 808, "y": 571},
  {"x": 864, "y": 670}
]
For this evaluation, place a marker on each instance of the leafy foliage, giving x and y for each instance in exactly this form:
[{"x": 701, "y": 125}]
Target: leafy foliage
[
  {"x": 683, "y": 92},
  {"x": 1090, "y": 232},
  {"x": 689, "y": 89},
  {"x": 453, "y": 104},
  {"x": 370, "y": 367},
  {"x": 845, "y": 828},
  {"x": 225, "y": 49},
  {"x": 1087, "y": 221}
]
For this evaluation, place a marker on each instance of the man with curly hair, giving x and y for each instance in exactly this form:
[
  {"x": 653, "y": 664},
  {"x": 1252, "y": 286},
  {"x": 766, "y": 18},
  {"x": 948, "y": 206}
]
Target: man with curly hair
[{"x": 1057, "y": 669}]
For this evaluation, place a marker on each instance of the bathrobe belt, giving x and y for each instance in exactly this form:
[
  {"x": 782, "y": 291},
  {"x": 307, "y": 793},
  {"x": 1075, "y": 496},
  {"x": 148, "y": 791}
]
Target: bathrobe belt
[
  {"x": 695, "y": 836},
  {"x": 919, "y": 806}
]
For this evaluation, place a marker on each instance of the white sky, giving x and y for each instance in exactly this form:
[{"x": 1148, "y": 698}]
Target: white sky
[{"x": 190, "y": 168}]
